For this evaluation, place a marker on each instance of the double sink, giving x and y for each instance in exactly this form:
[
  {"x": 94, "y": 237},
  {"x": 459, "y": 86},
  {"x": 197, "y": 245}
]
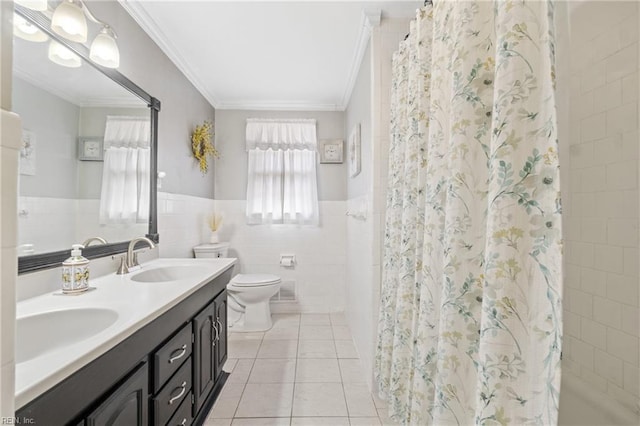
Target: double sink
[{"x": 57, "y": 335}]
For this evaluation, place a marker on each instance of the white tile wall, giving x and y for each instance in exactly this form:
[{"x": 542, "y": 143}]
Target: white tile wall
[
  {"x": 46, "y": 223},
  {"x": 602, "y": 283},
  {"x": 360, "y": 285},
  {"x": 87, "y": 224},
  {"x": 10, "y": 129},
  {"x": 51, "y": 223},
  {"x": 182, "y": 223},
  {"x": 320, "y": 270},
  {"x": 319, "y": 274}
]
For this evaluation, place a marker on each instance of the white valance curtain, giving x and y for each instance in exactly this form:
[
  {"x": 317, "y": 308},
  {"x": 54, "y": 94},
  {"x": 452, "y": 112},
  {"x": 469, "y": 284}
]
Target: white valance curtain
[
  {"x": 124, "y": 198},
  {"x": 470, "y": 326},
  {"x": 281, "y": 134},
  {"x": 282, "y": 184}
]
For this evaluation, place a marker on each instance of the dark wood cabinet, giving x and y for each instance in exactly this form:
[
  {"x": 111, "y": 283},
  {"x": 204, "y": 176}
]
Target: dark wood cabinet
[
  {"x": 205, "y": 333},
  {"x": 220, "y": 349},
  {"x": 127, "y": 405},
  {"x": 172, "y": 366},
  {"x": 209, "y": 348},
  {"x": 171, "y": 356},
  {"x": 167, "y": 401}
]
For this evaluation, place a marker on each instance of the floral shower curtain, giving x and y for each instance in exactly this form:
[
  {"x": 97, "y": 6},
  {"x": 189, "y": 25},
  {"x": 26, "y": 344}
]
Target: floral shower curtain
[{"x": 470, "y": 321}]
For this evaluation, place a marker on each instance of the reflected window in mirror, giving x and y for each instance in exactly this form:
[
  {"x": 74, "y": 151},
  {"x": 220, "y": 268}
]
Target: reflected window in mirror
[{"x": 124, "y": 199}]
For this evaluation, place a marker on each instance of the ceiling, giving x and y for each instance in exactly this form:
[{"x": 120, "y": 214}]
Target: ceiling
[
  {"x": 287, "y": 55},
  {"x": 84, "y": 86}
]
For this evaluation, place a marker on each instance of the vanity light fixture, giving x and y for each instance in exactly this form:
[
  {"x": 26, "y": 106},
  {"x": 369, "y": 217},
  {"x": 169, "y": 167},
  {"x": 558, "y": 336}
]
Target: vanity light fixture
[
  {"x": 104, "y": 50},
  {"x": 63, "y": 56},
  {"x": 68, "y": 21},
  {"x": 26, "y": 30},
  {"x": 39, "y": 5}
]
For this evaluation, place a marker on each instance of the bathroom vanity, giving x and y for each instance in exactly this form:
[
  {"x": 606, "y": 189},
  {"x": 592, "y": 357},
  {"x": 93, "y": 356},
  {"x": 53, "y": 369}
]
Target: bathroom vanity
[{"x": 159, "y": 362}]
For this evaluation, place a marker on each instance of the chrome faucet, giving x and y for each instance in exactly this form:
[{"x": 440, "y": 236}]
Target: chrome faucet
[
  {"x": 130, "y": 261},
  {"x": 92, "y": 239}
]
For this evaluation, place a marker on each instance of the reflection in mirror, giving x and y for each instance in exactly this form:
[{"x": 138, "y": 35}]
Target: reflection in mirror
[{"x": 85, "y": 165}]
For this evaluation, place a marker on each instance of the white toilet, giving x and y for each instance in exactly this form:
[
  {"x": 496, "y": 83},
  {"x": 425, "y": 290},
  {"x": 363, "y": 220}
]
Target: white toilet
[{"x": 249, "y": 294}]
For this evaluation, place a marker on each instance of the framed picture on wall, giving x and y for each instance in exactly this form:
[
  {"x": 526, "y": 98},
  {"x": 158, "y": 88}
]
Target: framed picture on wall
[
  {"x": 90, "y": 149},
  {"x": 331, "y": 150},
  {"x": 354, "y": 151}
]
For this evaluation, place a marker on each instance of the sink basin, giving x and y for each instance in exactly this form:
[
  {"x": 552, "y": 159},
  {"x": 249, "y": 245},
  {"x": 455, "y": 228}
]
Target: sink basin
[
  {"x": 41, "y": 333},
  {"x": 168, "y": 273}
]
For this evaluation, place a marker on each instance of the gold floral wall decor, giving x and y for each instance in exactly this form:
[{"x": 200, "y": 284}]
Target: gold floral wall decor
[{"x": 201, "y": 145}]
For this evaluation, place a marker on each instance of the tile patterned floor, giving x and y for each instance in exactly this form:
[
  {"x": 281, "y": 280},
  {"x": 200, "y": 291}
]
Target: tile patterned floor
[{"x": 305, "y": 371}]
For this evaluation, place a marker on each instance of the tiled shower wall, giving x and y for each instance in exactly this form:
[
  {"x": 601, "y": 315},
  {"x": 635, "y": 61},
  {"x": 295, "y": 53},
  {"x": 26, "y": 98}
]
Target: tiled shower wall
[{"x": 602, "y": 345}]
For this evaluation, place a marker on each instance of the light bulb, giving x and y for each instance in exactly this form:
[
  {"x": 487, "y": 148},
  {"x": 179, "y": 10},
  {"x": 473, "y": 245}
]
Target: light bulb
[
  {"x": 63, "y": 56},
  {"x": 40, "y": 5},
  {"x": 68, "y": 20},
  {"x": 26, "y": 30},
  {"x": 104, "y": 50}
]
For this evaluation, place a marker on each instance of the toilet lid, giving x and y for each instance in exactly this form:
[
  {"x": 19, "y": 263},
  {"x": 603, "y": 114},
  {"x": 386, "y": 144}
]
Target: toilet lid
[
  {"x": 254, "y": 280},
  {"x": 204, "y": 248}
]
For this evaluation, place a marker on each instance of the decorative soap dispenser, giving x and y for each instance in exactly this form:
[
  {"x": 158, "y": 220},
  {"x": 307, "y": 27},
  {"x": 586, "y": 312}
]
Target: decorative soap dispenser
[{"x": 75, "y": 271}]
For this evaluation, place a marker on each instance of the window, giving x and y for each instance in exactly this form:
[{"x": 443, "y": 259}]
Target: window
[
  {"x": 281, "y": 185},
  {"x": 124, "y": 198}
]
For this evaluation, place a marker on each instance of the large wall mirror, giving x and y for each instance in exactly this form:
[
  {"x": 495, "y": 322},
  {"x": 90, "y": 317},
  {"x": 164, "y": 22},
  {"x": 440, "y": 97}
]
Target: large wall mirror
[{"x": 89, "y": 157}]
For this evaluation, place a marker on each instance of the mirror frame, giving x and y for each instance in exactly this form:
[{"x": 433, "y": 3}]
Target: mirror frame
[{"x": 53, "y": 259}]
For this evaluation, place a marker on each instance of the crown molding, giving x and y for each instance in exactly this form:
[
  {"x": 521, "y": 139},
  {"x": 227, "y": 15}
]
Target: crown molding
[
  {"x": 37, "y": 82},
  {"x": 112, "y": 102},
  {"x": 369, "y": 20},
  {"x": 82, "y": 102},
  {"x": 278, "y": 106},
  {"x": 137, "y": 11}
]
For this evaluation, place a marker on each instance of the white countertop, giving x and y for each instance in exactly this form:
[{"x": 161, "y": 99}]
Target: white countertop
[{"x": 136, "y": 303}]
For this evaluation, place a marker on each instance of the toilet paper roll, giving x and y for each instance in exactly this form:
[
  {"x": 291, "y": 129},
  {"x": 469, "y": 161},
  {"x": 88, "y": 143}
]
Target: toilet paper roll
[{"x": 286, "y": 261}]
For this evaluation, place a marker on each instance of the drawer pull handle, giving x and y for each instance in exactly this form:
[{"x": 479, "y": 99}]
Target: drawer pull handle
[
  {"x": 217, "y": 336},
  {"x": 182, "y": 391},
  {"x": 182, "y": 350},
  {"x": 184, "y": 422},
  {"x": 220, "y": 328}
]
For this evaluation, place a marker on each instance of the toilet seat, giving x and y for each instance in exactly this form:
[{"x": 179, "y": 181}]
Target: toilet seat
[{"x": 254, "y": 280}]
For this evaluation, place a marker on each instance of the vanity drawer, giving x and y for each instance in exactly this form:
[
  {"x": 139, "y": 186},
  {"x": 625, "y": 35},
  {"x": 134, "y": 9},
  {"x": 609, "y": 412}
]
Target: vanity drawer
[
  {"x": 170, "y": 357},
  {"x": 172, "y": 394},
  {"x": 182, "y": 417}
]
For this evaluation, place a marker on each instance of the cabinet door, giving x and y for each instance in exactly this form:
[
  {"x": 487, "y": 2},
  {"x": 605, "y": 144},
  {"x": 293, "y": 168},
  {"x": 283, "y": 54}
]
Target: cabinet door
[
  {"x": 221, "y": 321},
  {"x": 203, "y": 355},
  {"x": 127, "y": 405}
]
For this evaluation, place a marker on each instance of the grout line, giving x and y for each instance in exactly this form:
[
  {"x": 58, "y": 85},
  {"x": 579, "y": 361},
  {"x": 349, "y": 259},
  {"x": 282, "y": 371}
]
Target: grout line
[
  {"x": 344, "y": 392},
  {"x": 244, "y": 387},
  {"x": 295, "y": 372},
  {"x": 262, "y": 340}
]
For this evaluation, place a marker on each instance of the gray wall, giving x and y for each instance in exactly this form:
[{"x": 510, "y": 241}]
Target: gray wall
[
  {"x": 359, "y": 111},
  {"x": 92, "y": 123},
  {"x": 57, "y": 124},
  {"x": 54, "y": 123},
  {"x": 231, "y": 167},
  {"x": 183, "y": 107}
]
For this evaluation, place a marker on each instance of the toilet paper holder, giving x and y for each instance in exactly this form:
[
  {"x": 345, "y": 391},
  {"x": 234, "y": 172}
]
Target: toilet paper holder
[{"x": 288, "y": 260}]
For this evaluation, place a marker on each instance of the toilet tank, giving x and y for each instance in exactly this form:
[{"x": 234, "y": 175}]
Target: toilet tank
[{"x": 205, "y": 251}]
